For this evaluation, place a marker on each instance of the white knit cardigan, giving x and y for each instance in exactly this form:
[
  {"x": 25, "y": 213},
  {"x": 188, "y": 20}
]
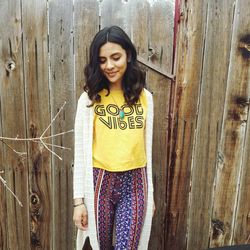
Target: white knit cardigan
[{"x": 83, "y": 172}]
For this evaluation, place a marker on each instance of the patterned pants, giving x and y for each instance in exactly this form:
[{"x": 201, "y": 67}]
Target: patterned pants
[{"x": 120, "y": 199}]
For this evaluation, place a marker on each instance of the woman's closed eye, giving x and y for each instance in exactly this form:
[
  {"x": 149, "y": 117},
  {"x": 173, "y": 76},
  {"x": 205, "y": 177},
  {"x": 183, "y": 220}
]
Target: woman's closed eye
[
  {"x": 116, "y": 58},
  {"x": 102, "y": 60}
]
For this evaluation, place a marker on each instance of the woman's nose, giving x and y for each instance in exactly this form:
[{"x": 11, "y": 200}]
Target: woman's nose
[{"x": 109, "y": 64}]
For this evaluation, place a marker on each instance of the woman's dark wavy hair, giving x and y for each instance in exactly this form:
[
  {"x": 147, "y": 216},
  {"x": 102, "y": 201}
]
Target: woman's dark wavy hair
[{"x": 134, "y": 77}]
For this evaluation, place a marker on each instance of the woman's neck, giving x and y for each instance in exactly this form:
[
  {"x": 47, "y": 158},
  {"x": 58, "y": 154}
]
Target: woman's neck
[{"x": 115, "y": 86}]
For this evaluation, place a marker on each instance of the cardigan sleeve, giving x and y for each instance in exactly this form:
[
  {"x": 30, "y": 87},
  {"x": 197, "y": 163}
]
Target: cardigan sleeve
[
  {"x": 78, "y": 174},
  {"x": 149, "y": 135}
]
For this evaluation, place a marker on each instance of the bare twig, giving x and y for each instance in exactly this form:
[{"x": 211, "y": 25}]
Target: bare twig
[
  {"x": 53, "y": 119},
  {"x": 52, "y": 152},
  {"x": 54, "y": 145},
  {"x": 20, "y": 154},
  {"x": 6, "y": 186},
  {"x": 39, "y": 139},
  {"x": 36, "y": 138}
]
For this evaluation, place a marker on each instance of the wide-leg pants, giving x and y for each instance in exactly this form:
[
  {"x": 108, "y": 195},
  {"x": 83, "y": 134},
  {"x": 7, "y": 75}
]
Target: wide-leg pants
[{"x": 120, "y": 206}]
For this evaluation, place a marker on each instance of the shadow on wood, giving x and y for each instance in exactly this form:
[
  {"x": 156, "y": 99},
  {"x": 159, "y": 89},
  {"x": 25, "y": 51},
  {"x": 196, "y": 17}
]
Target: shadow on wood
[{"x": 238, "y": 247}]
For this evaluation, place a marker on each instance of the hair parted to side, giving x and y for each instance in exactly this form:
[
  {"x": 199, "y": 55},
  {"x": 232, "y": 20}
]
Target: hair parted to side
[{"x": 134, "y": 78}]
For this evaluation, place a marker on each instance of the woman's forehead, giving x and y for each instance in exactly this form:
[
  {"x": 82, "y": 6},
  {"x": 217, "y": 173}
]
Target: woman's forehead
[{"x": 110, "y": 48}]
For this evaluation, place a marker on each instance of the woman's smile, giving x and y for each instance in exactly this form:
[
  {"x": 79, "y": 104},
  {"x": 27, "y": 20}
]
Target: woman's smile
[{"x": 111, "y": 74}]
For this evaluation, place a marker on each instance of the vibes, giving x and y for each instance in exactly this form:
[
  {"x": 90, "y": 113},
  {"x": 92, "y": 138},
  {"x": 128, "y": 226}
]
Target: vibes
[{"x": 109, "y": 116}]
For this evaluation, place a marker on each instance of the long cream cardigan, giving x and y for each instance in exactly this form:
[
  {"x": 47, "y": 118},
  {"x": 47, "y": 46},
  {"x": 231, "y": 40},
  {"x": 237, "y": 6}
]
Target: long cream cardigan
[{"x": 83, "y": 174}]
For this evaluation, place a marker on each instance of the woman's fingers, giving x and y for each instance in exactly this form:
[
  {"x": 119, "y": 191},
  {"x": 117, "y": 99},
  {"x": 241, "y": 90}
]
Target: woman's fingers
[{"x": 80, "y": 217}]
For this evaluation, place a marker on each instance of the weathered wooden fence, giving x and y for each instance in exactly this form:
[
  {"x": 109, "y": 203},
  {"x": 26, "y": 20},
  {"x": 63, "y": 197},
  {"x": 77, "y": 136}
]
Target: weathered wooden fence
[
  {"x": 43, "y": 49},
  {"x": 208, "y": 177},
  {"x": 201, "y": 135}
]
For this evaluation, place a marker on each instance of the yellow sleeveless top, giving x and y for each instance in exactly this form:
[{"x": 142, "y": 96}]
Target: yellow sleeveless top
[{"x": 119, "y": 139}]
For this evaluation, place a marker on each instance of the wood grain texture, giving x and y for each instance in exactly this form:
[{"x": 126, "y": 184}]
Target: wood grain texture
[
  {"x": 3, "y": 222},
  {"x": 242, "y": 221},
  {"x": 62, "y": 89},
  {"x": 210, "y": 114},
  {"x": 161, "y": 34},
  {"x": 231, "y": 144},
  {"x": 13, "y": 124},
  {"x": 160, "y": 53},
  {"x": 242, "y": 224},
  {"x": 139, "y": 11},
  {"x": 86, "y": 25},
  {"x": 160, "y": 87},
  {"x": 35, "y": 36},
  {"x": 114, "y": 12},
  {"x": 188, "y": 71}
]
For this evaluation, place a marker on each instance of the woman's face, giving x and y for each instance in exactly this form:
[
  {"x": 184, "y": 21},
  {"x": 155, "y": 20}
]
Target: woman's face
[{"x": 113, "y": 63}]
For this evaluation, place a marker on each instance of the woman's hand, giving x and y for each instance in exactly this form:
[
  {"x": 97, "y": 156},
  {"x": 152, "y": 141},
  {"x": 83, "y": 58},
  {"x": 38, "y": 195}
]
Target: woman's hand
[{"x": 80, "y": 217}]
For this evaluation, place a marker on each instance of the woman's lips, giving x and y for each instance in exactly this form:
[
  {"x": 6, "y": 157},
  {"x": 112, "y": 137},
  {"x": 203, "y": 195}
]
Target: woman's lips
[{"x": 111, "y": 74}]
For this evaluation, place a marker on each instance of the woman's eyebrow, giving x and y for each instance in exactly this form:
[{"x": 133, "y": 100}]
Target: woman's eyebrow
[{"x": 114, "y": 54}]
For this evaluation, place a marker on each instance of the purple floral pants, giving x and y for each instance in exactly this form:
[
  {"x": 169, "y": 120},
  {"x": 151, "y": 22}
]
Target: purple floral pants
[{"x": 120, "y": 206}]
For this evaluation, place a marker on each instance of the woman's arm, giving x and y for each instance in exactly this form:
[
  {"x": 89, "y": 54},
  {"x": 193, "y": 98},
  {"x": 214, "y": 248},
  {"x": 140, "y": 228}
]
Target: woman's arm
[{"x": 80, "y": 216}]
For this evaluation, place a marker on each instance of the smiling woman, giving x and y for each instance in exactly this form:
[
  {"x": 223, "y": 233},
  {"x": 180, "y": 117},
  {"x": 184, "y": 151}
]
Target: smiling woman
[
  {"x": 113, "y": 63},
  {"x": 113, "y": 147},
  {"x": 113, "y": 57}
]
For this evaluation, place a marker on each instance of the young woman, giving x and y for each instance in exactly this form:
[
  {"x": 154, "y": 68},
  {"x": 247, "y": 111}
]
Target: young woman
[{"x": 113, "y": 190}]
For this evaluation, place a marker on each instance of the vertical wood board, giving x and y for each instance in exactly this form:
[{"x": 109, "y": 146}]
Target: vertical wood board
[
  {"x": 161, "y": 35},
  {"x": 212, "y": 97},
  {"x": 114, "y": 12},
  {"x": 139, "y": 14},
  {"x": 160, "y": 55},
  {"x": 35, "y": 42},
  {"x": 231, "y": 145},
  {"x": 3, "y": 223},
  {"x": 189, "y": 67},
  {"x": 242, "y": 224},
  {"x": 62, "y": 89},
  {"x": 160, "y": 87},
  {"x": 13, "y": 124},
  {"x": 86, "y": 25}
]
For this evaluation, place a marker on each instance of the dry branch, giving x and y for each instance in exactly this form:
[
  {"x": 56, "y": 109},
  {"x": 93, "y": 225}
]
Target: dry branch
[
  {"x": 6, "y": 186},
  {"x": 39, "y": 139}
]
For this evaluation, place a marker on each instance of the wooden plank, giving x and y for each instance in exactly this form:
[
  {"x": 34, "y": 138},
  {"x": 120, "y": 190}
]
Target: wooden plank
[
  {"x": 188, "y": 72},
  {"x": 159, "y": 30},
  {"x": 138, "y": 21},
  {"x": 13, "y": 124},
  {"x": 161, "y": 33},
  {"x": 242, "y": 226},
  {"x": 160, "y": 86},
  {"x": 62, "y": 89},
  {"x": 38, "y": 118},
  {"x": 3, "y": 211},
  {"x": 231, "y": 145},
  {"x": 86, "y": 25},
  {"x": 210, "y": 112},
  {"x": 114, "y": 12}
]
